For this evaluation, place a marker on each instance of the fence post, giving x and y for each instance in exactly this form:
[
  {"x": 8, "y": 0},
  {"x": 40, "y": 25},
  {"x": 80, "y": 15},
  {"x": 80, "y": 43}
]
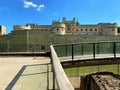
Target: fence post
[
  {"x": 82, "y": 49},
  {"x": 114, "y": 49},
  {"x": 118, "y": 69},
  {"x": 98, "y": 48},
  {"x": 66, "y": 50},
  {"x": 93, "y": 50},
  {"x": 72, "y": 52},
  {"x": 8, "y": 46}
]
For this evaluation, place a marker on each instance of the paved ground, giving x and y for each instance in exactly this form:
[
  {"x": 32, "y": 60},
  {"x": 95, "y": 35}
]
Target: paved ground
[
  {"x": 24, "y": 73},
  {"x": 29, "y": 73}
]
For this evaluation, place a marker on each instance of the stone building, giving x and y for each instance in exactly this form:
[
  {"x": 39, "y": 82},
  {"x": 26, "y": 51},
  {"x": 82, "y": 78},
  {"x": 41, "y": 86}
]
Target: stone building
[
  {"x": 73, "y": 27},
  {"x": 100, "y": 81},
  {"x": 2, "y": 30}
]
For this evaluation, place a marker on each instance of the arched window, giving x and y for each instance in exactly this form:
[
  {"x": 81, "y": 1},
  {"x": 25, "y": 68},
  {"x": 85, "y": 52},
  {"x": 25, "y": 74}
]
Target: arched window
[
  {"x": 69, "y": 28},
  {"x": 95, "y": 29},
  {"x": 76, "y": 29},
  {"x": 91, "y": 29}
]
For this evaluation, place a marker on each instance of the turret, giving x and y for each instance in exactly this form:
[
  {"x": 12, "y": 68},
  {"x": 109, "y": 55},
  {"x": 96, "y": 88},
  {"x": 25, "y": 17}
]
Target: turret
[
  {"x": 59, "y": 28},
  {"x": 64, "y": 19}
]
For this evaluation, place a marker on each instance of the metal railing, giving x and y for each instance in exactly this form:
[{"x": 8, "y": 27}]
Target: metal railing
[
  {"x": 23, "y": 48},
  {"x": 59, "y": 75},
  {"x": 97, "y": 57},
  {"x": 90, "y": 49}
]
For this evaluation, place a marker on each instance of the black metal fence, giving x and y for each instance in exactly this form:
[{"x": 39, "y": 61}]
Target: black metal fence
[
  {"x": 94, "y": 49},
  {"x": 23, "y": 48}
]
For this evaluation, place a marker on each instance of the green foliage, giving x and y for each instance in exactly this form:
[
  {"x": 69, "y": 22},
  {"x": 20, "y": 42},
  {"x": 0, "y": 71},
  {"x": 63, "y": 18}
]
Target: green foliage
[{"x": 118, "y": 28}]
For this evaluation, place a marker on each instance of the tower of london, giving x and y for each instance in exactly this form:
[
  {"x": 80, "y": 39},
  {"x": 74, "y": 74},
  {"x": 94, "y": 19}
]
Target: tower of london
[{"x": 72, "y": 27}]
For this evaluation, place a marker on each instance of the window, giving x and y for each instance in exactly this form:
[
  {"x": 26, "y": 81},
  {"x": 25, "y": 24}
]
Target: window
[
  {"x": 68, "y": 28},
  {"x": 96, "y": 29},
  {"x": 91, "y": 29},
  {"x": 76, "y": 29},
  {"x": 57, "y": 29},
  {"x": 81, "y": 29},
  {"x": 86, "y": 29}
]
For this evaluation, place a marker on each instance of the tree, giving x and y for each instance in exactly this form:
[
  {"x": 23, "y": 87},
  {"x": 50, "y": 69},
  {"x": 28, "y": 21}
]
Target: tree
[{"x": 118, "y": 29}]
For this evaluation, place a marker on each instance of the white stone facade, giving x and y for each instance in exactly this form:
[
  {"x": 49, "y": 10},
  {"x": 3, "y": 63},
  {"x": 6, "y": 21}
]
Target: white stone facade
[
  {"x": 73, "y": 27},
  {"x": 2, "y": 30}
]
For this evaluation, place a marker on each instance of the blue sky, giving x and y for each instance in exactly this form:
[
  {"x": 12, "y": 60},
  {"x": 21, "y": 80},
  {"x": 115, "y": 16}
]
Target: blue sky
[{"x": 20, "y": 12}]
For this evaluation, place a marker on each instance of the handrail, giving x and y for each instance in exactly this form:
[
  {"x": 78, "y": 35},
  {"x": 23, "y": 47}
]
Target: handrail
[
  {"x": 61, "y": 78},
  {"x": 87, "y": 43},
  {"x": 95, "y": 49}
]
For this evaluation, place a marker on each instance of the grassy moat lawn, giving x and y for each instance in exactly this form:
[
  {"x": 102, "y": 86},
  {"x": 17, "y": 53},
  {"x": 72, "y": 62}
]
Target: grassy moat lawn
[{"x": 79, "y": 71}]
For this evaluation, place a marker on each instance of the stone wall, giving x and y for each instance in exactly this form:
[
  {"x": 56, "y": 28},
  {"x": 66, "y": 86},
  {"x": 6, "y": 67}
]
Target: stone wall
[{"x": 100, "y": 81}]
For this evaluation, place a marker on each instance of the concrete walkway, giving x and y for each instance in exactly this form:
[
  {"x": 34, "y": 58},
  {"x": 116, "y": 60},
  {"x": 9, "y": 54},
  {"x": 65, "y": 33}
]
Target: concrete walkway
[
  {"x": 24, "y": 73},
  {"x": 84, "y": 57}
]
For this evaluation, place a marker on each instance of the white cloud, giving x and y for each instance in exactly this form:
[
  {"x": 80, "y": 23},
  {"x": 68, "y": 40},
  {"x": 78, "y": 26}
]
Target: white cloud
[
  {"x": 28, "y": 4},
  {"x": 40, "y": 7}
]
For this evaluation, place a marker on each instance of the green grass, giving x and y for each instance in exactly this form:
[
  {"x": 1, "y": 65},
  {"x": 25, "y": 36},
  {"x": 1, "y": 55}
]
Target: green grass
[{"x": 79, "y": 71}]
